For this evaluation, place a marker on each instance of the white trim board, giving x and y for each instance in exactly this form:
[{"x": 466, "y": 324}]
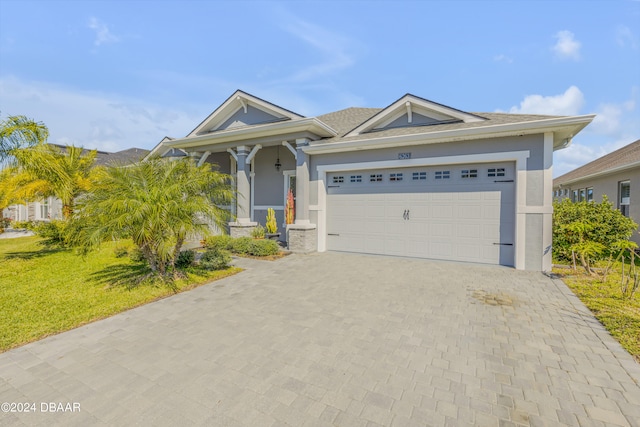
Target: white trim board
[{"x": 519, "y": 157}]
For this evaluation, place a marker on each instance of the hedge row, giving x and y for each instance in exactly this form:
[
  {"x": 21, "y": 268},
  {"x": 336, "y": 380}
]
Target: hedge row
[{"x": 242, "y": 245}]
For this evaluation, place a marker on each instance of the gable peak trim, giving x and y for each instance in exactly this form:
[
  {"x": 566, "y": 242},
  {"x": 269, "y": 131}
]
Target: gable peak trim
[{"x": 410, "y": 104}]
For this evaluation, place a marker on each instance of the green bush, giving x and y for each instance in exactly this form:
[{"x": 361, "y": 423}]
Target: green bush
[
  {"x": 136, "y": 255},
  {"x": 258, "y": 232},
  {"x": 215, "y": 259},
  {"x": 263, "y": 248},
  {"x": 241, "y": 245},
  {"x": 185, "y": 258},
  {"x": 53, "y": 232},
  {"x": 23, "y": 225},
  {"x": 602, "y": 224},
  {"x": 218, "y": 242}
]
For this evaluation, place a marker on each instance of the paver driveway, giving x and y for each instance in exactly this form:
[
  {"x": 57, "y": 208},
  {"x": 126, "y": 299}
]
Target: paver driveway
[{"x": 334, "y": 339}]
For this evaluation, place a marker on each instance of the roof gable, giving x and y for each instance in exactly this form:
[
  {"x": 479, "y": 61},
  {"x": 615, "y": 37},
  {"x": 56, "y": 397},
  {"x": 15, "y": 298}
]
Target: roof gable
[
  {"x": 411, "y": 111},
  {"x": 242, "y": 109}
]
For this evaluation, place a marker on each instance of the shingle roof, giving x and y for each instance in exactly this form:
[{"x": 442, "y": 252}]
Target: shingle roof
[
  {"x": 119, "y": 158},
  {"x": 344, "y": 121},
  {"x": 627, "y": 155}
]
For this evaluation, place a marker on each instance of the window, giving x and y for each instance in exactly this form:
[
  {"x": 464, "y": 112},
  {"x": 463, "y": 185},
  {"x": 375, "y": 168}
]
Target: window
[
  {"x": 419, "y": 176},
  {"x": 469, "y": 173},
  {"x": 442, "y": 174},
  {"x": 376, "y": 177},
  {"x": 590, "y": 194},
  {"x": 356, "y": 178},
  {"x": 574, "y": 196},
  {"x": 624, "y": 197},
  {"x": 582, "y": 195},
  {"x": 44, "y": 209},
  {"x": 495, "y": 172},
  {"x": 566, "y": 192},
  {"x": 338, "y": 179},
  {"x": 395, "y": 177}
]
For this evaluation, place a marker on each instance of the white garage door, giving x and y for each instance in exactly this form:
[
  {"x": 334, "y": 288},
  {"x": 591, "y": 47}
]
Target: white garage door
[{"x": 463, "y": 213}]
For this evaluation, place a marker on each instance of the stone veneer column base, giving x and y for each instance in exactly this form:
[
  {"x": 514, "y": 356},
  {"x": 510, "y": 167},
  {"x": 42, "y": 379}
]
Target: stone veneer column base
[
  {"x": 302, "y": 238},
  {"x": 241, "y": 229}
]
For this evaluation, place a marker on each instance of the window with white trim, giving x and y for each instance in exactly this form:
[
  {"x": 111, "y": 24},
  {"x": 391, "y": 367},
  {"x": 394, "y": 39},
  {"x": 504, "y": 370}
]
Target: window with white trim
[
  {"x": 375, "y": 177},
  {"x": 395, "y": 177},
  {"x": 582, "y": 195},
  {"x": 590, "y": 194},
  {"x": 624, "y": 197},
  {"x": 443, "y": 174},
  {"x": 574, "y": 196},
  {"x": 44, "y": 209}
]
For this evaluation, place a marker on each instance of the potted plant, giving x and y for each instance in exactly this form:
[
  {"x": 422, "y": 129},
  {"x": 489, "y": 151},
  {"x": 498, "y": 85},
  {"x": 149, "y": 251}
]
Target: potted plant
[{"x": 272, "y": 225}]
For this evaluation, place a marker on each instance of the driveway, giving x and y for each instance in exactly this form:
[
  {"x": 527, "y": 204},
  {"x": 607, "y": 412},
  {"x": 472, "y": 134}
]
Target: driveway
[{"x": 336, "y": 340}]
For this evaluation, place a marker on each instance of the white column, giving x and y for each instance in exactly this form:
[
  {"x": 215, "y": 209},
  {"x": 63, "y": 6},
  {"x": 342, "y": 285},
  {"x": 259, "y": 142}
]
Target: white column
[
  {"x": 302, "y": 183},
  {"x": 243, "y": 201}
]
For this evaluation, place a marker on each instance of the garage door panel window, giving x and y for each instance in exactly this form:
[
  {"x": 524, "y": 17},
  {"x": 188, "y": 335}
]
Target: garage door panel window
[
  {"x": 395, "y": 177},
  {"x": 443, "y": 174},
  {"x": 419, "y": 176},
  {"x": 495, "y": 172},
  {"x": 469, "y": 173},
  {"x": 375, "y": 177}
]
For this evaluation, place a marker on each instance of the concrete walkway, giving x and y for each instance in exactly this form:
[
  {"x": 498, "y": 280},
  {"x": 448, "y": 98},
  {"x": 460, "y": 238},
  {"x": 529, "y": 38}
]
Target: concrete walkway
[{"x": 336, "y": 340}]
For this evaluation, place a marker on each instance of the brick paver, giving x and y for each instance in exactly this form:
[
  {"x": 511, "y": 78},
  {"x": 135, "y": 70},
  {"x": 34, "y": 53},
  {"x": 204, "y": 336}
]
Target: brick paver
[{"x": 337, "y": 340}]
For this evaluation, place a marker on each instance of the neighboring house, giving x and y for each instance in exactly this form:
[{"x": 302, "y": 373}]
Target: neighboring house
[
  {"x": 416, "y": 178},
  {"x": 616, "y": 175},
  {"x": 51, "y": 207}
]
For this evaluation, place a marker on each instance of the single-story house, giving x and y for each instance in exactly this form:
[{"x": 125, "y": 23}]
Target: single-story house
[
  {"x": 416, "y": 178},
  {"x": 616, "y": 175},
  {"x": 51, "y": 207}
]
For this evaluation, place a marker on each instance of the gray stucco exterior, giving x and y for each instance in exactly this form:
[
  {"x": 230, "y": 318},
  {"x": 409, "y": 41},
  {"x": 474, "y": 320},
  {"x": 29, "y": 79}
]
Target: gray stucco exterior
[
  {"x": 608, "y": 185},
  {"x": 252, "y": 134}
]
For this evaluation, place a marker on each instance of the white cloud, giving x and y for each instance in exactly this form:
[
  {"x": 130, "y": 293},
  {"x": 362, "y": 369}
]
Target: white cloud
[
  {"x": 104, "y": 121},
  {"x": 332, "y": 47},
  {"x": 103, "y": 35},
  {"x": 626, "y": 38},
  {"x": 568, "y": 103},
  {"x": 567, "y": 47},
  {"x": 503, "y": 58}
]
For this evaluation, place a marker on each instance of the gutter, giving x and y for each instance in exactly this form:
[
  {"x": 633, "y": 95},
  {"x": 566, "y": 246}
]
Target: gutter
[
  {"x": 501, "y": 130},
  {"x": 312, "y": 125},
  {"x": 601, "y": 173}
]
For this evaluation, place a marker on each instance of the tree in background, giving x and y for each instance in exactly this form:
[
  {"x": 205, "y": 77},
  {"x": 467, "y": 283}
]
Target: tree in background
[
  {"x": 47, "y": 170},
  {"x": 20, "y": 132},
  {"x": 588, "y": 230},
  {"x": 157, "y": 203}
]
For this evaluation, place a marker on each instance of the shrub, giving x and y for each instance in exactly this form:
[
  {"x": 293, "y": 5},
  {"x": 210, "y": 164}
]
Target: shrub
[
  {"x": 577, "y": 223},
  {"x": 258, "y": 232},
  {"x": 23, "y": 225},
  {"x": 5, "y": 222},
  {"x": 272, "y": 225},
  {"x": 185, "y": 258},
  {"x": 215, "y": 259},
  {"x": 241, "y": 245},
  {"x": 263, "y": 248},
  {"x": 53, "y": 232},
  {"x": 136, "y": 255},
  {"x": 218, "y": 242}
]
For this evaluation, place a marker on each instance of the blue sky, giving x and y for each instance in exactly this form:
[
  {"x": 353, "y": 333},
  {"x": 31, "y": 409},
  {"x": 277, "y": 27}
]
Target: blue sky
[{"x": 118, "y": 74}]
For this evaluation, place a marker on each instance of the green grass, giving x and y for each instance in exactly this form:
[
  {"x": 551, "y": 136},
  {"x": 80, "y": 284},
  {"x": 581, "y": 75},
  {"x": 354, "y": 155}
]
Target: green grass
[
  {"x": 46, "y": 291},
  {"x": 620, "y": 316}
]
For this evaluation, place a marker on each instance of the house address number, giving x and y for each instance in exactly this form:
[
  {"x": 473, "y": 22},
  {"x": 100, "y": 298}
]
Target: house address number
[{"x": 404, "y": 156}]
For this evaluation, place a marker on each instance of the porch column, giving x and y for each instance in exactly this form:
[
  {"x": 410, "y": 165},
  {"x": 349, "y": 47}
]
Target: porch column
[
  {"x": 302, "y": 236},
  {"x": 302, "y": 182},
  {"x": 243, "y": 186}
]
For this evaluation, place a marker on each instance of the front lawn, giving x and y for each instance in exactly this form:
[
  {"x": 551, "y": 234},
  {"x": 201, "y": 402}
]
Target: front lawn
[
  {"x": 621, "y": 316},
  {"x": 47, "y": 291}
]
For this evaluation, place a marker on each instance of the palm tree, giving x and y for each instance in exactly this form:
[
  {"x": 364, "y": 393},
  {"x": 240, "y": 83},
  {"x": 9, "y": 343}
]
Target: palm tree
[
  {"x": 47, "y": 170},
  {"x": 158, "y": 204},
  {"x": 19, "y": 132}
]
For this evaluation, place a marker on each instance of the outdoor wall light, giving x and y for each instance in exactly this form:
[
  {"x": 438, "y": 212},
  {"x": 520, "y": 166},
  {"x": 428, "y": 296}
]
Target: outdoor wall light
[{"x": 278, "y": 165}]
